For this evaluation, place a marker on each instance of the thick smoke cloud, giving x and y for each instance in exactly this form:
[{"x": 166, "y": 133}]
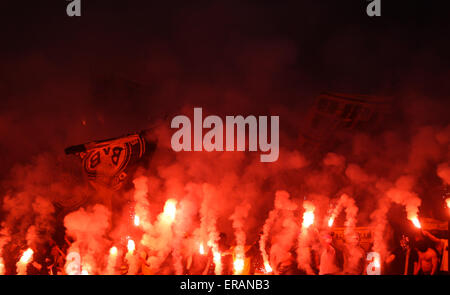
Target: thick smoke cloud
[{"x": 102, "y": 78}]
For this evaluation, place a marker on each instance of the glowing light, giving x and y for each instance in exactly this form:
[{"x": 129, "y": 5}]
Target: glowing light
[
  {"x": 113, "y": 251},
  {"x": 27, "y": 256},
  {"x": 416, "y": 222},
  {"x": 217, "y": 258},
  {"x": 86, "y": 269},
  {"x": 131, "y": 246},
  {"x": 201, "y": 249},
  {"x": 308, "y": 215},
  {"x": 170, "y": 209},
  {"x": 238, "y": 265},
  {"x": 330, "y": 222},
  {"x": 137, "y": 221},
  {"x": 308, "y": 219},
  {"x": 448, "y": 202},
  {"x": 267, "y": 267}
]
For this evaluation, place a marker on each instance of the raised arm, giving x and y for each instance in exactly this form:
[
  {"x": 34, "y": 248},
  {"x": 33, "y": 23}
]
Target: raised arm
[
  {"x": 434, "y": 261},
  {"x": 417, "y": 265},
  {"x": 431, "y": 237}
]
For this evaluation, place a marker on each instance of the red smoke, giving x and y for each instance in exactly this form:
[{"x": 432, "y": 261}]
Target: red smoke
[{"x": 77, "y": 89}]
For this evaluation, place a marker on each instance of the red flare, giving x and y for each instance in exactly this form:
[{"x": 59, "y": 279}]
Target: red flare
[
  {"x": 136, "y": 220},
  {"x": 330, "y": 222},
  {"x": 238, "y": 265},
  {"x": 217, "y": 257},
  {"x": 308, "y": 219},
  {"x": 170, "y": 210},
  {"x": 113, "y": 251},
  {"x": 131, "y": 246},
  {"x": 308, "y": 215},
  {"x": 267, "y": 267},
  {"x": 201, "y": 249},
  {"x": 416, "y": 222},
  {"x": 27, "y": 256}
]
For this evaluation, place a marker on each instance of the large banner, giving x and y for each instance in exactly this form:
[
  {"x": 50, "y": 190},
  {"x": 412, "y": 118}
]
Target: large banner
[
  {"x": 431, "y": 224},
  {"x": 365, "y": 234},
  {"x": 108, "y": 162}
]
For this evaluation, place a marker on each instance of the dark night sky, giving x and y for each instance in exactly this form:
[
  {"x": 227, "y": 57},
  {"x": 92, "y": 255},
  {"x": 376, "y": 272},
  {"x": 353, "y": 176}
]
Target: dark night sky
[
  {"x": 273, "y": 53},
  {"x": 332, "y": 43}
]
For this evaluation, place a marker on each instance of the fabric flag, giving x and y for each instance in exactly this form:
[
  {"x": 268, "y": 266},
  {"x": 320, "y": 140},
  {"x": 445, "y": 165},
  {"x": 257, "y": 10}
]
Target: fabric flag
[{"x": 109, "y": 162}]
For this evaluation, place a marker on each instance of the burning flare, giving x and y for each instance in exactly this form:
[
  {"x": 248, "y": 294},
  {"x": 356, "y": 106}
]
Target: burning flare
[
  {"x": 308, "y": 219},
  {"x": 217, "y": 258},
  {"x": 330, "y": 222},
  {"x": 308, "y": 215},
  {"x": 136, "y": 220},
  {"x": 201, "y": 249},
  {"x": 416, "y": 222},
  {"x": 267, "y": 267},
  {"x": 131, "y": 259},
  {"x": 113, "y": 251},
  {"x": 86, "y": 269},
  {"x": 238, "y": 265},
  {"x": 448, "y": 202},
  {"x": 112, "y": 261},
  {"x": 170, "y": 210},
  {"x": 26, "y": 258},
  {"x": 131, "y": 246}
]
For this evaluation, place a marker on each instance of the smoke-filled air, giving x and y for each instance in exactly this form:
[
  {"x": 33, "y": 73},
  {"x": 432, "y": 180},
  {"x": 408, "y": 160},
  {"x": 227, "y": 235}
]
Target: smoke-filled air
[{"x": 344, "y": 180}]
